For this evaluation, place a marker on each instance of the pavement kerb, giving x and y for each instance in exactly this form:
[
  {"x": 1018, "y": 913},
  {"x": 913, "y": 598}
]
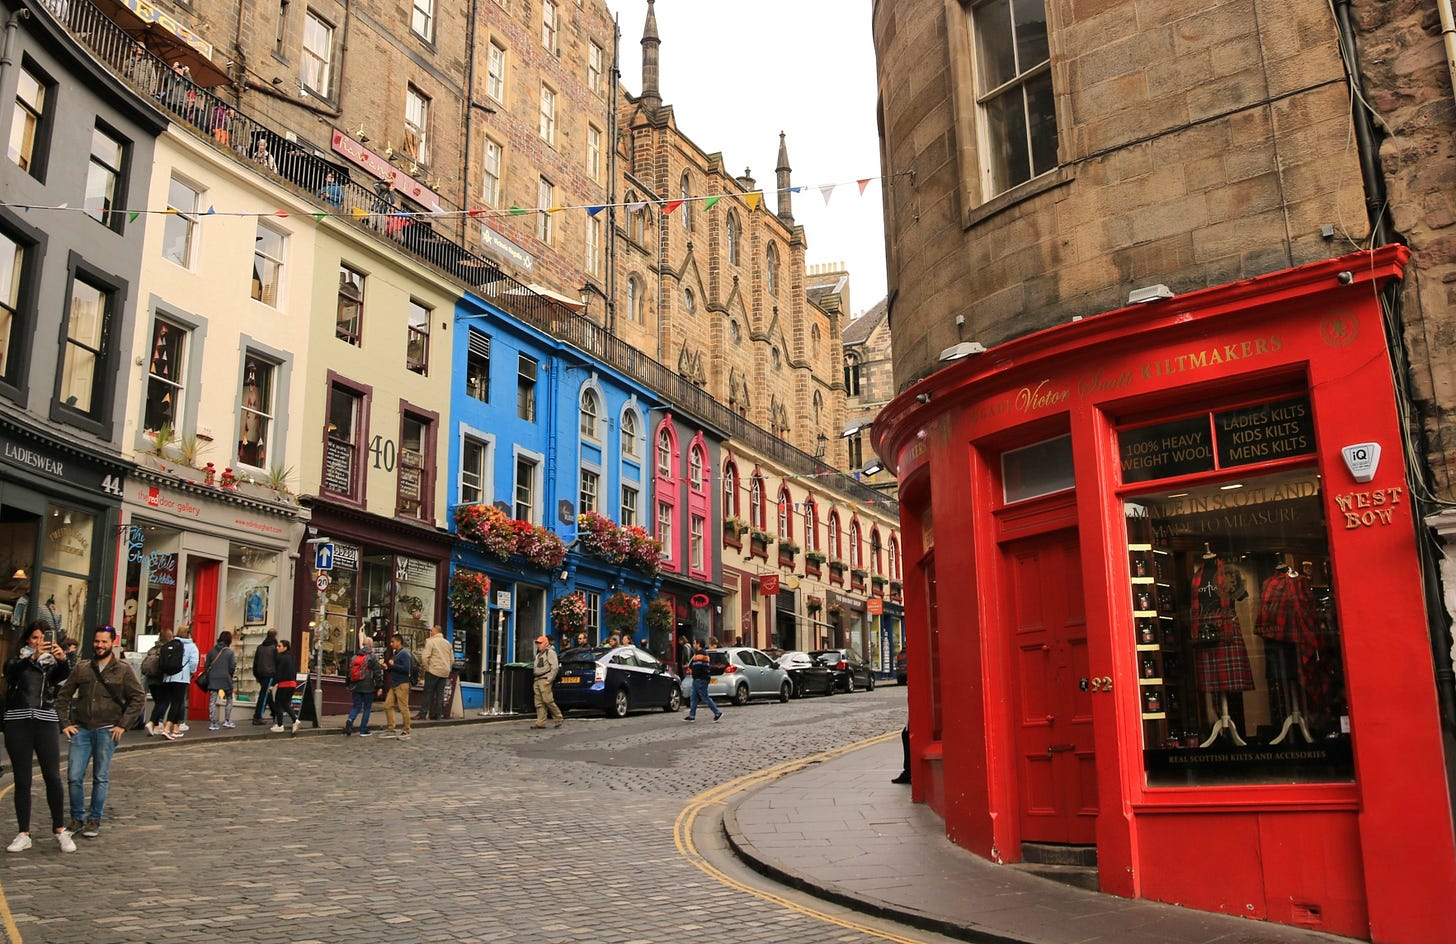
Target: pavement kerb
[
  {"x": 139, "y": 740},
  {"x": 744, "y": 849}
]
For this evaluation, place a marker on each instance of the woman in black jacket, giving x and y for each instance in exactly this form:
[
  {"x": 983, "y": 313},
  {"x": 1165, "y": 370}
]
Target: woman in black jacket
[{"x": 32, "y": 729}]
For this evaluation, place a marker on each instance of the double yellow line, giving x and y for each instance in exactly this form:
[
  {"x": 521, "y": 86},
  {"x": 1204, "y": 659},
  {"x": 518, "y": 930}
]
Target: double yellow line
[
  {"x": 12, "y": 933},
  {"x": 717, "y": 796}
]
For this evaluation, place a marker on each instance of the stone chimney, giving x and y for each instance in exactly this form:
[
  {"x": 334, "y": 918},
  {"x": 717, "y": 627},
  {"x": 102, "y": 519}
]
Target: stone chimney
[
  {"x": 746, "y": 181},
  {"x": 651, "y": 43}
]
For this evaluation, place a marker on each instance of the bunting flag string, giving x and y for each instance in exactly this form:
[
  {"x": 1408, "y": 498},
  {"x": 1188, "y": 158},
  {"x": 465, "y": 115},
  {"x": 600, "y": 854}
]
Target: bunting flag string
[{"x": 753, "y": 200}]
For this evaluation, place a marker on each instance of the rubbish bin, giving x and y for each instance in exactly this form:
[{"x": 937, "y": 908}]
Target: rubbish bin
[{"x": 518, "y": 697}]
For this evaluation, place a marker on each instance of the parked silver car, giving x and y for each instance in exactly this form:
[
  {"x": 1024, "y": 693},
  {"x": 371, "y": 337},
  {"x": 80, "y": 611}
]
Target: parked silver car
[{"x": 741, "y": 673}]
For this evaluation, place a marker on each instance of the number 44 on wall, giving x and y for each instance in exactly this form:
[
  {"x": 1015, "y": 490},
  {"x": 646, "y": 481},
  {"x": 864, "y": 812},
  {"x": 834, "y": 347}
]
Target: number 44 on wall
[{"x": 111, "y": 484}]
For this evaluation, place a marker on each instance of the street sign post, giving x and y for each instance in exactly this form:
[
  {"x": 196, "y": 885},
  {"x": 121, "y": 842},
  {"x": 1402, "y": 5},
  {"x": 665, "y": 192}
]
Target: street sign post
[
  {"x": 323, "y": 557},
  {"x": 322, "y": 582}
]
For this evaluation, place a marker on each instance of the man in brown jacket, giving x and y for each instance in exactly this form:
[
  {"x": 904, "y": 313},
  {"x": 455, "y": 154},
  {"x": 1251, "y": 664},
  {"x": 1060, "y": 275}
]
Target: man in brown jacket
[
  {"x": 96, "y": 705},
  {"x": 436, "y": 662}
]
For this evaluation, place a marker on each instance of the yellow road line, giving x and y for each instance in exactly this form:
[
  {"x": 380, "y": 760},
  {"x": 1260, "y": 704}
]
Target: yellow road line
[
  {"x": 12, "y": 933},
  {"x": 714, "y": 796}
]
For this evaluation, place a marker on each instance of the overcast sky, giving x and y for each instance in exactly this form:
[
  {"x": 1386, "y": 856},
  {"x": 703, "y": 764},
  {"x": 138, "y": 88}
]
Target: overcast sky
[{"x": 738, "y": 74}]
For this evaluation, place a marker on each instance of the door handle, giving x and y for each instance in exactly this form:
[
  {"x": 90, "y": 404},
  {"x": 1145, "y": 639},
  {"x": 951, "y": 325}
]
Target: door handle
[{"x": 1060, "y": 748}]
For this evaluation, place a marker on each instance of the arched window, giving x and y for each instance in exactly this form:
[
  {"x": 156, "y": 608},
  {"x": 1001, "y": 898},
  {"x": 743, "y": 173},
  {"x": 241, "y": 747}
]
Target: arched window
[
  {"x": 776, "y": 357},
  {"x": 687, "y": 204},
  {"x": 771, "y": 269},
  {"x": 590, "y": 413},
  {"x": 731, "y": 237},
  {"x": 894, "y": 559},
  {"x": 851, "y": 375},
  {"x": 877, "y": 565},
  {"x": 730, "y": 490},
  {"x": 630, "y": 433},
  {"x": 811, "y": 524},
  {"x": 757, "y": 514},
  {"x": 664, "y": 453},
  {"x": 814, "y": 340},
  {"x": 695, "y": 468},
  {"x": 636, "y": 300},
  {"x": 735, "y": 332},
  {"x": 856, "y": 553},
  {"x": 818, "y": 410},
  {"x": 832, "y": 548},
  {"x": 786, "y": 513}
]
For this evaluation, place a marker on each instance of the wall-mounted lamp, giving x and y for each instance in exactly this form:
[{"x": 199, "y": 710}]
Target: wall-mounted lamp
[
  {"x": 564, "y": 576},
  {"x": 853, "y": 428},
  {"x": 363, "y": 138},
  {"x": 964, "y": 349},
  {"x": 922, "y": 398},
  {"x": 1150, "y": 293},
  {"x": 20, "y": 574},
  {"x": 873, "y": 467}
]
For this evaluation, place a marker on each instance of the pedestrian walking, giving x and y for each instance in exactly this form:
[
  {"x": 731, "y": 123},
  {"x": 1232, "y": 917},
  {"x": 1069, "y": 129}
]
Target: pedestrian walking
[
  {"x": 436, "y": 662},
  {"x": 222, "y": 665},
  {"x": 364, "y": 679},
  {"x": 153, "y": 677},
  {"x": 702, "y": 670},
  {"x": 32, "y": 729},
  {"x": 545, "y": 674},
  {"x": 265, "y": 667},
  {"x": 177, "y": 683},
  {"x": 97, "y": 704},
  {"x": 397, "y": 667},
  {"x": 284, "y": 684}
]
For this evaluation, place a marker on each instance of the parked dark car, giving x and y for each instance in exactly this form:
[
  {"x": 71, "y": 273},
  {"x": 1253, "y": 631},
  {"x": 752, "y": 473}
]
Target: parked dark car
[
  {"x": 615, "y": 680},
  {"x": 741, "y": 673},
  {"x": 901, "y": 663},
  {"x": 808, "y": 675},
  {"x": 850, "y": 670}
]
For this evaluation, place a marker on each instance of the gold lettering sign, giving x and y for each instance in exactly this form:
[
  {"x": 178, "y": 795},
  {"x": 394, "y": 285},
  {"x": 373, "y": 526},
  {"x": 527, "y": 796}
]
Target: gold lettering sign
[{"x": 1369, "y": 508}]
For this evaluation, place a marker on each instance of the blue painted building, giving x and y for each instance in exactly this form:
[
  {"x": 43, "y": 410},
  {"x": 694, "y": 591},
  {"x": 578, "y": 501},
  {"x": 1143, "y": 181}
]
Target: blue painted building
[{"x": 540, "y": 431}]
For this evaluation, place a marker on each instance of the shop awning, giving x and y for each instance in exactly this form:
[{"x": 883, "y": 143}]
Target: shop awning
[{"x": 162, "y": 40}]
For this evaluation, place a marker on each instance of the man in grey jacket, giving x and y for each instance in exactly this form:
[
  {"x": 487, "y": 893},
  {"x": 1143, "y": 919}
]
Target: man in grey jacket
[
  {"x": 545, "y": 671},
  {"x": 96, "y": 705}
]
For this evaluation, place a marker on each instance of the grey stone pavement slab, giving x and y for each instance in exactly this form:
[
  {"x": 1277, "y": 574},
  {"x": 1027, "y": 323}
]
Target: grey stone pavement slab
[{"x": 841, "y": 831}]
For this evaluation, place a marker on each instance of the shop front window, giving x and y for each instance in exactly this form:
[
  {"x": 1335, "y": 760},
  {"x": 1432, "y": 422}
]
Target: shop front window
[
  {"x": 249, "y": 608},
  {"x": 150, "y": 598},
  {"x": 414, "y": 602},
  {"x": 62, "y": 595},
  {"x": 1236, "y": 641}
]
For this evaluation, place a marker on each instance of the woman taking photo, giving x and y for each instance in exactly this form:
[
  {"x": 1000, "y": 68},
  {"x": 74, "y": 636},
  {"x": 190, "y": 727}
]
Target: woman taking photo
[
  {"x": 32, "y": 729},
  {"x": 222, "y": 665}
]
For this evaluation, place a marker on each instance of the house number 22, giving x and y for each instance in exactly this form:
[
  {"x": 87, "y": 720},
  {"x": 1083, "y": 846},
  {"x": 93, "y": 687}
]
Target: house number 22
[{"x": 1100, "y": 683}]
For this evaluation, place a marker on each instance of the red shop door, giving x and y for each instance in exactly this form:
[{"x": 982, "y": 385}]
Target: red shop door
[
  {"x": 1057, "y": 775},
  {"x": 204, "y": 627}
]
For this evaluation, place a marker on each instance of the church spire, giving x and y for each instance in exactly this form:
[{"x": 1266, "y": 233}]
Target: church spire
[
  {"x": 786, "y": 203},
  {"x": 651, "y": 96}
]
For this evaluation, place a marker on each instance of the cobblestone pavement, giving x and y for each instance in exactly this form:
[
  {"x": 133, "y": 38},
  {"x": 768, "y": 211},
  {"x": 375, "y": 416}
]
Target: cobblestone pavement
[{"x": 469, "y": 832}]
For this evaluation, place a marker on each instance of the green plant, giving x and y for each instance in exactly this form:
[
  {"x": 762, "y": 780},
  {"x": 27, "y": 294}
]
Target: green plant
[
  {"x": 277, "y": 478},
  {"x": 816, "y": 557},
  {"x": 190, "y": 446},
  {"x": 163, "y": 440},
  {"x": 659, "y": 616},
  {"x": 469, "y": 595}
]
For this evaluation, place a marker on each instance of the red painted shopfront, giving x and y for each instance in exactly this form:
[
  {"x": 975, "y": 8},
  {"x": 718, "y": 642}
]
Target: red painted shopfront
[{"x": 1195, "y": 639}]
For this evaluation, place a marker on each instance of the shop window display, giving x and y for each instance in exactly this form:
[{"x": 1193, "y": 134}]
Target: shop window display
[
  {"x": 1236, "y": 644},
  {"x": 249, "y": 607},
  {"x": 372, "y": 595}
]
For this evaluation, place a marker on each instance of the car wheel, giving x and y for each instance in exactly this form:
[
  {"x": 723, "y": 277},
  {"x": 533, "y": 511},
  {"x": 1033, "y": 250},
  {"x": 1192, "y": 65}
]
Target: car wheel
[
  {"x": 849, "y": 683},
  {"x": 740, "y": 695},
  {"x": 871, "y": 686},
  {"x": 674, "y": 701},
  {"x": 620, "y": 705},
  {"x": 833, "y": 686},
  {"x": 785, "y": 690}
]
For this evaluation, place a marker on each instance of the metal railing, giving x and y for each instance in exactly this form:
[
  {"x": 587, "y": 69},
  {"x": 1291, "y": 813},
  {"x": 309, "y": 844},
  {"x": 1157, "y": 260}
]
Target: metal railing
[{"x": 373, "y": 207}]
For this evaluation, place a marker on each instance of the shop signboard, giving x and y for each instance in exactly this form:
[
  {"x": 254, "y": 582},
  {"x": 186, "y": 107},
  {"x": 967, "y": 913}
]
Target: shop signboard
[
  {"x": 1166, "y": 450},
  {"x": 1267, "y": 431}
]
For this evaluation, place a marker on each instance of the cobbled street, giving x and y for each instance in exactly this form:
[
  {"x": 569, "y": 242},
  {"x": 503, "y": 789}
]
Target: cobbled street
[{"x": 467, "y": 832}]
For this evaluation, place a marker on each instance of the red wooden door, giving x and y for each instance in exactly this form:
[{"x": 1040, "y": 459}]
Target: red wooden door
[
  {"x": 1057, "y": 775},
  {"x": 204, "y": 626}
]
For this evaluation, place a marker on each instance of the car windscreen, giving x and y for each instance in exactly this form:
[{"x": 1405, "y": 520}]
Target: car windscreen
[
  {"x": 718, "y": 658},
  {"x": 828, "y": 657},
  {"x": 581, "y": 658}
]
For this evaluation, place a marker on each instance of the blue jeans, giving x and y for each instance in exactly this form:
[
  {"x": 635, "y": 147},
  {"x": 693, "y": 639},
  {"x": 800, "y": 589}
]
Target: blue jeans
[
  {"x": 363, "y": 701},
  {"x": 701, "y": 697},
  {"x": 94, "y": 747},
  {"x": 263, "y": 685}
]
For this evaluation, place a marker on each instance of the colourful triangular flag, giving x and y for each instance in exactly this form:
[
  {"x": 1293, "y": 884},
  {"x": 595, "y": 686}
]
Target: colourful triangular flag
[
  {"x": 516, "y": 211},
  {"x": 711, "y": 202},
  {"x": 863, "y": 184},
  {"x": 320, "y": 216},
  {"x": 474, "y": 213},
  {"x": 593, "y": 211},
  {"x": 131, "y": 217},
  {"x": 828, "y": 191},
  {"x": 211, "y": 211},
  {"x": 358, "y": 212},
  {"x": 753, "y": 200},
  {"x": 281, "y": 213},
  {"x": 669, "y": 206}
]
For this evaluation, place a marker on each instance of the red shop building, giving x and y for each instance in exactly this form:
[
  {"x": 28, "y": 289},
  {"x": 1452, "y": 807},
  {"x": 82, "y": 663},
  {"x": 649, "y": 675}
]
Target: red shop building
[{"x": 1195, "y": 638}]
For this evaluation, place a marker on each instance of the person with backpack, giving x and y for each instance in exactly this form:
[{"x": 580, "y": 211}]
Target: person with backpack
[
  {"x": 96, "y": 704},
  {"x": 32, "y": 728},
  {"x": 177, "y": 682},
  {"x": 285, "y": 683},
  {"x": 265, "y": 669},
  {"x": 366, "y": 676},
  {"x": 222, "y": 664},
  {"x": 153, "y": 674}
]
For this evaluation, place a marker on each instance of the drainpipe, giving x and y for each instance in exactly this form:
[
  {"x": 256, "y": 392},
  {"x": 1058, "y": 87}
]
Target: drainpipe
[
  {"x": 469, "y": 124},
  {"x": 1375, "y": 196},
  {"x": 1448, "y": 40},
  {"x": 614, "y": 129},
  {"x": 6, "y": 54}
]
